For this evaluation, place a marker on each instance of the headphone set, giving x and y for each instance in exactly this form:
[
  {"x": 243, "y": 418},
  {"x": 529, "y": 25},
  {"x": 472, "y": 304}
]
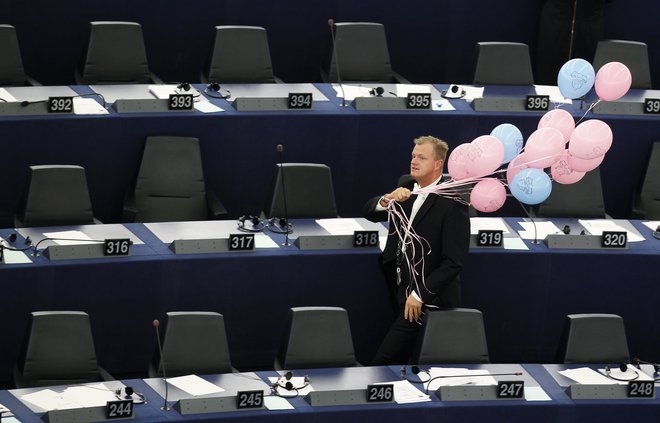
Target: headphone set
[
  {"x": 656, "y": 233},
  {"x": 254, "y": 224},
  {"x": 454, "y": 91},
  {"x": 623, "y": 367},
  {"x": 288, "y": 385},
  {"x": 416, "y": 371},
  {"x": 279, "y": 225},
  {"x": 127, "y": 393},
  {"x": 213, "y": 90}
]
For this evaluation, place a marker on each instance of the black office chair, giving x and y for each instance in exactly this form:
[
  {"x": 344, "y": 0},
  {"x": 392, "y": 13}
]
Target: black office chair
[
  {"x": 170, "y": 184},
  {"x": 633, "y": 54},
  {"x": 59, "y": 349},
  {"x": 451, "y": 336},
  {"x": 240, "y": 56},
  {"x": 316, "y": 337},
  {"x": 194, "y": 342},
  {"x": 593, "y": 338},
  {"x": 309, "y": 192},
  {"x": 502, "y": 63},
  {"x": 116, "y": 55},
  {"x": 363, "y": 55},
  {"x": 646, "y": 201},
  {"x": 56, "y": 195},
  {"x": 12, "y": 73},
  {"x": 583, "y": 199}
]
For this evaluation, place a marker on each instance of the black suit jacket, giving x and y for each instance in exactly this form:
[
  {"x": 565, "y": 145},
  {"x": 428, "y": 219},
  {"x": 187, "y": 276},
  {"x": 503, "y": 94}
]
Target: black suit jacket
[{"x": 444, "y": 224}]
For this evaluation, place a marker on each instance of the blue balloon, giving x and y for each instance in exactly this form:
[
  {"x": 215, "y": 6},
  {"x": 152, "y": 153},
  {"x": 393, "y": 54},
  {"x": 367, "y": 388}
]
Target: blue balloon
[
  {"x": 512, "y": 139},
  {"x": 531, "y": 186},
  {"x": 576, "y": 78}
]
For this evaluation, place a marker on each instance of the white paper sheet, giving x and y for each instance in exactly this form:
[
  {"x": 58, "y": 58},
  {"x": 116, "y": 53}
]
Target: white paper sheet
[
  {"x": 264, "y": 241},
  {"x": 553, "y": 92},
  {"x": 340, "y": 226},
  {"x": 597, "y": 226},
  {"x": 194, "y": 385},
  {"x": 587, "y": 376},
  {"x": 514, "y": 244},
  {"x": 536, "y": 393},
  {"x": 406, "y": 393},
  {"x": 69, "y": 237},
  {"x": 4, "y": 94},
  {"x": 351, "y": 91},
  {"x": 93, "y": 395},
  {"x": 207, "y": 107},
  {"x": 488, "y": 223},
  {"x": 273, "y": 402},
  {"x": 543, "y": 229},
  {"x": 88, "y": 106},
  {"x": 402, "y": 90},
  {"x": 652, "y": 224},
  {"x": 472, "y": 92},
  {"x": 14, "y": 257}
]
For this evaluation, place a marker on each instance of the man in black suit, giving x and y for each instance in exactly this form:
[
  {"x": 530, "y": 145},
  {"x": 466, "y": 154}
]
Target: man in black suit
[{"x": 445, "y": 227}]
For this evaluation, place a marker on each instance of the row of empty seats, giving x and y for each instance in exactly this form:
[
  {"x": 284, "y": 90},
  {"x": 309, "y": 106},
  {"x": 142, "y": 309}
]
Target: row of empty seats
[
  {"x": 170, "y": 186},
  {"x": 241, "y": 55},
  {"x": 59, "y": 347}
]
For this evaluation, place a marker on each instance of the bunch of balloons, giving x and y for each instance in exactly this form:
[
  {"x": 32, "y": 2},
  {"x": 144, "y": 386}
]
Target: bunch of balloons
[{"x": 566, "y": 149}]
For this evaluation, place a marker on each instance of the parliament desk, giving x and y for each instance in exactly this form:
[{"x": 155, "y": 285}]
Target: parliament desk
[
  {"x": 550, "y": 402},
  {"x": 524, "y": 294},
  {"x": 367, "y": 150}
]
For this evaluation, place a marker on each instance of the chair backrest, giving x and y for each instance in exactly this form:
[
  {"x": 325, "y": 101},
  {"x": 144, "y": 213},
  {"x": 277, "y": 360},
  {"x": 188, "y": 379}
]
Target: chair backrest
[
  {"x": 240, "y": 56},
  {"x": 451, "y": 336},
  {"x": 583, "y": 199},
  {"x": 317, "y": 337},
  {"x": 633, "y": 54},
  {"x": 362, "y": 53},
  {"x": 308, "y": 188},
  {"x": 502, "y": 63},
  {"x": 649, "y": 194},
  {"x": 593, "y": 338},
  {"x": 194, "y": 342},
  {"x": 116, "y": 54},
  {"x": 170, "y": 183},
  {"x": 56, "y": 195},
  {"x": 11, "y": 65},
  {"x": 59, "y": 350}
]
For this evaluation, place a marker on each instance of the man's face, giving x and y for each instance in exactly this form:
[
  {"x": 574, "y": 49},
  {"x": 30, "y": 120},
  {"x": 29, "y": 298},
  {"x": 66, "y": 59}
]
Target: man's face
[{"x": 423, "y": 165}]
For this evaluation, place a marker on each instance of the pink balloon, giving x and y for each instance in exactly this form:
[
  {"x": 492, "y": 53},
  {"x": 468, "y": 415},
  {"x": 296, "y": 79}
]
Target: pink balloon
[
  {"x": 613, "y": 81},
  {"x": 456, "y": 163},
  {"x": 484, "y": 155},
  {"x": 591, "y": 139},
  {"x": 559, "y": 119},
  {"x": 583, "y": 165},
  {"x": 488, "y": 195},
  {"x": 516, "y": 165},
  {"x": 544, "y": 147},
  {"x": 562, "y": 172}
]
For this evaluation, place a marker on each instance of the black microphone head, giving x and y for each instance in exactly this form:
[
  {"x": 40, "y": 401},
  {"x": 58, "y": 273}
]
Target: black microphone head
[
  {"x": 623, "y": 367},
  {"x": 566, "y": 230},
  {"x": 415, "y": 369},
  {"x": 129, "y": 391},
  {"x": 213, "y": 86},
  {"x": 288, "y": 375},
  {"x": 156, "y": 323},
  {"x": 279, "y": 148},
  {"x": 255, "y": 220},
  {"x": 331, "y": 22},
  {"x": 24, "y": 103},
  {"x": 184, "y": 86},
  {"x": 380, "y": 90},
  {"x": 288, "y": 386},
  {"x": 454, "y": 89},
  {"x": 12, "y": 237}
]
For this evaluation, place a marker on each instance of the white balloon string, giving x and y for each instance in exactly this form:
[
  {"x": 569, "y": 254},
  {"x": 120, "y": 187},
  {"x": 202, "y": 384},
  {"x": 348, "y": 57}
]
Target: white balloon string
[{"x": 588, "y": 110}]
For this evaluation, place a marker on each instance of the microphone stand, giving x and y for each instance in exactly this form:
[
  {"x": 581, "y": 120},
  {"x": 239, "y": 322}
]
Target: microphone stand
[
  {"x": 536, "y": 240},
  {"x": 331, "y": 24},
  {"x": 165, "y": 407},
  {"x": 280, "y": 150}
]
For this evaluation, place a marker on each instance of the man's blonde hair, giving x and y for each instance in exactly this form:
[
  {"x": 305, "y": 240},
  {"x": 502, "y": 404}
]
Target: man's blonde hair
[{"x": 439, "y": 147}]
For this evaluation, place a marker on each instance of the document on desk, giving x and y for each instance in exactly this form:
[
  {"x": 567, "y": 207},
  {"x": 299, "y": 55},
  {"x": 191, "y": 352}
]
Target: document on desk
[
  {"x": 93, "y": 395},
  {"x": 652, "y": 224},
  {"x": 14, "y": 257},
  {"x": 4, "y": 94},
  {"x": 340, "y": 226},
  {"x": 88, "y": 106},
  {"x": 195, "y": 385},
  {"x": 488, "y": 223},
  {"x": 456, "y": 376},
  {"x": 69, "y": 237},
  {"x": 402, "y": 90},
  {"x": 597, "y": 226},
  {"x": 587, "y": 376},
  {"x": 351, "y": 91},
  {"x": 472, "y": 92},
  {"x": 406, "y": 393},
  {"x": 553, "y": 92},
  {"x": 542, "y": 230}
]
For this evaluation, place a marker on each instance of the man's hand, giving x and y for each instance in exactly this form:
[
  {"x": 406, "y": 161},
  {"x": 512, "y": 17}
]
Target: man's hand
[
  {"x": 400, "y": 194},
  {"x": 413, "y": 309}
]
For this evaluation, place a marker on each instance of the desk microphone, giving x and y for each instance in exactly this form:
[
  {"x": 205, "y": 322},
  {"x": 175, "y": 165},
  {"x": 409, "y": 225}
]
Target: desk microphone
[
  {"x": 331, "y": 24},
  {"x": 26, "y": 103},
  {"x": 156, "y": 324},
  {"x": 280, "y": 150}
]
